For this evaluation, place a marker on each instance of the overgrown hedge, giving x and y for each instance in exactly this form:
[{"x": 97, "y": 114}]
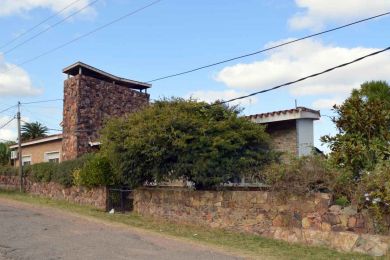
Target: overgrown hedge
[{"x": 61, "y": 173}]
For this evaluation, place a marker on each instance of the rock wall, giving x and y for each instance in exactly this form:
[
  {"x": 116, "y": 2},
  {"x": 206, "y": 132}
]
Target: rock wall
[
  {"x": 311, "y": 220},
  {"x": 88, "y": 102},
  {"x": 96, "y": 197}
]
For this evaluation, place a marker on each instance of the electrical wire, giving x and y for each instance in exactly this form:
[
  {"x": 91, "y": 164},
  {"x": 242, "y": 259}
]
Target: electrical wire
[
  {"x": 88, "y": 33},
  {"x": 304, "y": 78},
  {"x": 267, "y": 49},
  {"x": 38, "y": 24},
  {"x": 42, "y": 101},
  {"x": 50, "y": 27},
  {"x": 2, "y": 111},
  {"x": 1, "y": 127}
]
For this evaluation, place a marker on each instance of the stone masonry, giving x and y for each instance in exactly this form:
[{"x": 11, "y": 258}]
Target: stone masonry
[
  {"x": 88, "y": 102},
  {"x": 96, "y": 197},
  {"x": 309, "y": 220},
  {"x": 283, "y": 137}
]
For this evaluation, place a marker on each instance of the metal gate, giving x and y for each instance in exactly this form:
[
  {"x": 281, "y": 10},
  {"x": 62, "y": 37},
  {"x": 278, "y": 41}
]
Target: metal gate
[{"x": 120, "y": 199}]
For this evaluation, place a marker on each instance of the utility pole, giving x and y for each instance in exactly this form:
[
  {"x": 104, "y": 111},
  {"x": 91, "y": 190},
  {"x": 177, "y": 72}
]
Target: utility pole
[{"x": 20, "y": 149}]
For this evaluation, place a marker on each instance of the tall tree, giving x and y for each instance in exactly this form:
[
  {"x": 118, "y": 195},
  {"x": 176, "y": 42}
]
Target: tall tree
[
  {"x": 363, "y": 122},
  {"x": 33, "y": 130}
]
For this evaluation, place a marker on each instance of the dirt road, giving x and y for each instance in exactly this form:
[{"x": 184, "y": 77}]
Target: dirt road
[{"x": 32, "y": 232}]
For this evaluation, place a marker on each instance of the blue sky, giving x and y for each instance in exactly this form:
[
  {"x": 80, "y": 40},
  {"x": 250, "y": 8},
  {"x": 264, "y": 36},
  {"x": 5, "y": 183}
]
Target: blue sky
[{"x": 172, "y": 36}]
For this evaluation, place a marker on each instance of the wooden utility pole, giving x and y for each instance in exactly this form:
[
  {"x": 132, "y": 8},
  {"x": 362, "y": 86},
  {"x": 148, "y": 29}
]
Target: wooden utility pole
[{"x": 20, "y": 149}]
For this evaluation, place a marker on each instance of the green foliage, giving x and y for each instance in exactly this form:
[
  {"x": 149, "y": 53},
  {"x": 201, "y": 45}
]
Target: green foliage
[
  {"x": 342, "y": 201},
  {"x": 300, "y": 176},
  {"x": 174, "y": 139},
  {"x": 95, "y": 172},
  {"x": 33, "y": 130},
  {"x": 61, "y": 173},
  {"x": 374, "y": 194},
  {"x": 5, "y": 154},
  {"x": 41, "y": 172},
  {"x": 363, "y": 122},
  {"x": 8, "y": 170}
]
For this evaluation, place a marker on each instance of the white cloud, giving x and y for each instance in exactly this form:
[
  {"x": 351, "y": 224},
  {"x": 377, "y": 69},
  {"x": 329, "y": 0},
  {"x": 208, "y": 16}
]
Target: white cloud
[
  {"x": 327, "y": 103},
  {"x": 14, "y": 81},
  {"x": 211, "y": 96},
  {"x": 298, "y": 60},
  {"x": 11, "y": 7},
  {"x": 7, "y": 133},
  {"x": 319, "y": 12}
]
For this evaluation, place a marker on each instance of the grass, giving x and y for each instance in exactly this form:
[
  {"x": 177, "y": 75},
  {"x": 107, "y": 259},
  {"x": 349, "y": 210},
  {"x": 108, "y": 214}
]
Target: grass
[{"x": 249, "y": 245}]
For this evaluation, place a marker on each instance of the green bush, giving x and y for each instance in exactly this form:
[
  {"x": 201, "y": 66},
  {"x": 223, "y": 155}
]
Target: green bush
[
  {"x": 61, "y": 173},
  {"x": 64, "y": 172},
  {"x": 41, "y": 172},
  {"x": 374, "y": 194},
  {"x": 342, "y": 201},
  {"x": 190, "y": 140},
  {"x": 8, "y": 170},
  {"x": 95, "y": 172},
  {"x": 300, "y": 176}
]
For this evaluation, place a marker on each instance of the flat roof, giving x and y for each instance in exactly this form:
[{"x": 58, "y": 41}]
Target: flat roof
[
  {"x": 45, "y": 139},
  {"x": 88, "y": 70},
  {"x": 288, "y": 114}
]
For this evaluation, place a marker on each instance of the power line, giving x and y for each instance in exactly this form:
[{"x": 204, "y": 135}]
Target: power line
[
  {"x": 1, "y": 127},
  {"x": 37, "y": 25},
  {"x": 49, "y": 28},
  {"x": 268, "y": 49},
  {"x": 304, "y": 78},
  {"x": 42, "y": 101},
  {"x": 50, "y": 129},
  {"x": 88, "y": 33},
  {"x": 2, "y": 111}
]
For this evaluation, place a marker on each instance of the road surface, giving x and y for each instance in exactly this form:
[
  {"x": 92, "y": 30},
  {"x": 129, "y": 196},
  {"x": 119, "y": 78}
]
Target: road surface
[{"x": 33, "y": 232}]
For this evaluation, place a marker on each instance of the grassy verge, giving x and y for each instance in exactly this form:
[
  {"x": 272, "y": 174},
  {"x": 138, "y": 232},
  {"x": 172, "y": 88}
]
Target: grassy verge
[{"x": 251, "y": 245}]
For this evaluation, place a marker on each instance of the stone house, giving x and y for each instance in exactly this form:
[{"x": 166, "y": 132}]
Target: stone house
[
  {"x": 291, "y": 130},
  {"x": 91, "y": 96}
]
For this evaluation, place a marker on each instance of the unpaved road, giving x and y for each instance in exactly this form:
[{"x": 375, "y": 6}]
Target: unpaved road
[{"x": 33, "y": 232}]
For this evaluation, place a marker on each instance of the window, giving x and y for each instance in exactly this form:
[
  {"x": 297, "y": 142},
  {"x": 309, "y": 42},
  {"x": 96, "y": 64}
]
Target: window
[
  {"x": 53, "y": 157},
  {"x": 26, "y": 160}
]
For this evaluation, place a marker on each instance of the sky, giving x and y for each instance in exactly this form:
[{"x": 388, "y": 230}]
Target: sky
[{"x": 173, "y": 36}]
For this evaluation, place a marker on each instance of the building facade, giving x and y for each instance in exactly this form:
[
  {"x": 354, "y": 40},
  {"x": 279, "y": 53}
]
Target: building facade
[
  {"x": 91, "y": 96},
  {"x": 291, "y": 131}
]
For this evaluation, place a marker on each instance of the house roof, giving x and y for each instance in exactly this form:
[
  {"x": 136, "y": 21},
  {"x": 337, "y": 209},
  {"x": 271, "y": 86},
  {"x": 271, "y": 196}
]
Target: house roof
[
  {"x": 45, "y": 139},
  {"x": 288, "y": 114},
  {"x": 85, "y": 69}
]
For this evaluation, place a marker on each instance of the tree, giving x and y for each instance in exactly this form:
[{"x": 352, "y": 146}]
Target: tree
[
  {"x": 363, "y": 122},
  {"x": 33, "y": 130},
  {"x": 4, "y": 154},
  {"x": 178, "y": 139}
]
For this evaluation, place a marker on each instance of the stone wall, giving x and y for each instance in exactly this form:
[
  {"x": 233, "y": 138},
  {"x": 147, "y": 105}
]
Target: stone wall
[
  {"x": 311, "y": 220},
  {"x": 95, "y": 197},
  {"x": 88, "y": 102},
  {"x": 284, "y": 136}
]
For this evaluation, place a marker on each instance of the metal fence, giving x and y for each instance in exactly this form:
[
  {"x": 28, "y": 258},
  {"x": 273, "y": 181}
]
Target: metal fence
[{"x": 120, "y": 199}]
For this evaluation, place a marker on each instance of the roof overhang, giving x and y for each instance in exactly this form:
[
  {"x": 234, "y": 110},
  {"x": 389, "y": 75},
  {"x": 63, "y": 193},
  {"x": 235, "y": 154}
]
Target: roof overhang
[
  {"x": 87, "y": 70},
  {"x": 39, "y": 141},
  {"x": 284, "y": 115}
]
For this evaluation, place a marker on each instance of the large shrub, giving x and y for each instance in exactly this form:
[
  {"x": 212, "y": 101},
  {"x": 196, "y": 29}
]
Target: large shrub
[
  {"x": 300, "y": 176},
  {"x": 95, "y": 172},
  {"x": 363, "y": 122},
  {"x": 5, "y": 154},
  {"x": 178, "y": 139}
]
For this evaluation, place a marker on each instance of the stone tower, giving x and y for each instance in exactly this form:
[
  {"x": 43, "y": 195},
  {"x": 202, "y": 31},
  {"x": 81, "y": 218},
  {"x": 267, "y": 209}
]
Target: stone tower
[{"x": 91, "y": 96}]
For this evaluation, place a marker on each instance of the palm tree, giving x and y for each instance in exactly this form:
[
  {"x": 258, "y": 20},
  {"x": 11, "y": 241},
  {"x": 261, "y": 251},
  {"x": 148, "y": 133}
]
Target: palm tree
[{"x": 33, "y": 130}]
